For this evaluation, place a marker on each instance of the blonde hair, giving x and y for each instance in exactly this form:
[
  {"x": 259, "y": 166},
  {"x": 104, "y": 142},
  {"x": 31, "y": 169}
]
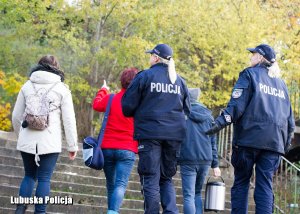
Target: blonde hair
[
  {"x": 273, "y": 69},
  {"x": 171, "y": 68}
]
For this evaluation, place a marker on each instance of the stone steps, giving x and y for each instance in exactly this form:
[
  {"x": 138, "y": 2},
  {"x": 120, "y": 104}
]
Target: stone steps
[
  {"x": 98, "y": 188},
  {"x": 85, "y": 186},
  {"x": 11, "y": 155},
  {"x": 7, "y": 163},
  {"x": 74, "y": 208},
  {"x": 18, "y": 171},
  {"x": 58, "y": 185},
  {"x": 78, "y": 198}
]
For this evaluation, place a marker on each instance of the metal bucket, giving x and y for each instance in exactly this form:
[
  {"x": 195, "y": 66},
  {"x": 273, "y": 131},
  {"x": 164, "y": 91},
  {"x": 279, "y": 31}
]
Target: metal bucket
[{"x": 214, "y": 196}]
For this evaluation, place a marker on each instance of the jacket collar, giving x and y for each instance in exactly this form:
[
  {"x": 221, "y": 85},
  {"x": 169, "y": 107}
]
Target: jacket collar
[{"x": 159, "y": 64}]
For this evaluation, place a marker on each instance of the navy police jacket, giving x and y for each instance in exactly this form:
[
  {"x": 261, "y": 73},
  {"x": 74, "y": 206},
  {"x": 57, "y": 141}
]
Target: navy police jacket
[
  {"x": 157, "y": 105},
  {"x": 260, "y": 110},
  {"x": 197, "y": 147}
]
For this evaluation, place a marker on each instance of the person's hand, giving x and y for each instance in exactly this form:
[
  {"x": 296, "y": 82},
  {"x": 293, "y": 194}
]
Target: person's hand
[
  {"x": 213, "y": 130},
  {"x": 72, "y": 155},
  {"x": 288, "y": 144},
  {"x": 104, "y": 85},
  {"x": 216, "y": 172}
]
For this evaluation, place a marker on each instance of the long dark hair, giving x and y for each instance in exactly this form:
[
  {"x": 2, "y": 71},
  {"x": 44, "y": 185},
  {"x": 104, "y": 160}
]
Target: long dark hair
[{"x": 49, "y": 63}]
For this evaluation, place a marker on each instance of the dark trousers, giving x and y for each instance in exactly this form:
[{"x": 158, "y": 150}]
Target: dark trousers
[
  {"x": 266, "y": 163},
  {"x": 42, "y": 174},
  {"x": 156, "y": 167}
]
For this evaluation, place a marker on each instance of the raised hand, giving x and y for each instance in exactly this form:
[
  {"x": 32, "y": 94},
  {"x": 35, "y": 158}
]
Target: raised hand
[{"x": 105, "y": 85}]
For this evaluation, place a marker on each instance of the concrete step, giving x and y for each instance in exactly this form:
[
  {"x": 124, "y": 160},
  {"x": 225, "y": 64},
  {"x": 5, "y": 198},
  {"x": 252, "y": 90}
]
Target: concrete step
[
  {"x": 84, "y": 185},
  {"x": 94, "y": 189},
  {"x": 78, "y": 170},
  {"x": 8, "y": 152},
  {"x": 13, "y": 145},
  {"x": 63, "y": 159},
  {"x": 96, "y": 186},
  {"x": 7, "y": 210},
  {"x": 18, "y": 171},
  {"x": 89, "y": 199},
  {"x": 9, "y": 147},
  {"x": 58, "y": 185},
  {"x": 60, "y": 209},
  {"x": 78, "y": 198}
]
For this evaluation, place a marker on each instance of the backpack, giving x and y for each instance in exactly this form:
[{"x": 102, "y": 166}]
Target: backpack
[{"x": 37, "y": 109}]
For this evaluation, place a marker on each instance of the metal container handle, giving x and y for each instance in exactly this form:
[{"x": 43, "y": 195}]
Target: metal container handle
[{"x": 214, "y": 176}]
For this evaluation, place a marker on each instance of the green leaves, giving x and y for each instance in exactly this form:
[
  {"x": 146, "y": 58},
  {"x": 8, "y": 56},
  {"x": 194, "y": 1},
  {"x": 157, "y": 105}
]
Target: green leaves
[{"x": 96, "y": 40}]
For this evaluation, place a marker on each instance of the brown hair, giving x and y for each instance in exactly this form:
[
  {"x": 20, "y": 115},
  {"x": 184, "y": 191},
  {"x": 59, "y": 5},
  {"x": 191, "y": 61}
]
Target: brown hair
[
  {"x": 127, "y": 76},
  {"x": 49, "y": 63},
  {"x": 50, "y": 60}
]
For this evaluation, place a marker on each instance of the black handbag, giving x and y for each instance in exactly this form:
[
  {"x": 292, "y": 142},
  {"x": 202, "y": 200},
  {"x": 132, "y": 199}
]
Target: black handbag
[{"x": 92, "y": 153}]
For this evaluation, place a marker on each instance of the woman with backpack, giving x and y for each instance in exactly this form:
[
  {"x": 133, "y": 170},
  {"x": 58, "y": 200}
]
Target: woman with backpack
[{"x": 41, "y": 103}]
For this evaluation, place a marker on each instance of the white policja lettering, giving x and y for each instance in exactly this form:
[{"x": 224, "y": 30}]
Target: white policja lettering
[
  {"x": 271, "y": 91},
  {"x": 164, "y": 88}
]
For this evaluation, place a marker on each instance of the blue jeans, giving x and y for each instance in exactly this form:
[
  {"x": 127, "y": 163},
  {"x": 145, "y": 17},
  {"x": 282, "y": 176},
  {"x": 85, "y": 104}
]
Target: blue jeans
[
  {"x": 193, "y": 177},
  {"x": 157, "y": 165},
  {"x": 42, "y": 174},
  {"x": 117, "y": 168},
  {"x": 266, "y": 163}
]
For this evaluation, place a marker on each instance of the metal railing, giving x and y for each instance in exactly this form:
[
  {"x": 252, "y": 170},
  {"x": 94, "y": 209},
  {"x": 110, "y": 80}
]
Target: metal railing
[
  {"x": 287, "y": 187},
  {"x": 294, "y": 93},
  {"x": 286, "y": 181}
]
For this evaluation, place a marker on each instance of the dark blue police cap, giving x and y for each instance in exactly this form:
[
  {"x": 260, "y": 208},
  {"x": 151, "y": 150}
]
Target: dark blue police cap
[
  {"x": 162, "y": 50},
  {"x": 266, "y": 51}
]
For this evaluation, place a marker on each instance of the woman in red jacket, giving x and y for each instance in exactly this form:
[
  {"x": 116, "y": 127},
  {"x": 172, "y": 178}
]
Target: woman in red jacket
[{"x": 118, "y": 146}]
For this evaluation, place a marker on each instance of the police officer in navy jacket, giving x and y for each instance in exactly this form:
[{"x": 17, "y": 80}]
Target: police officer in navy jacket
[
  {"x": 263, "y": 125},
  {"x": 158, "y": 100}
]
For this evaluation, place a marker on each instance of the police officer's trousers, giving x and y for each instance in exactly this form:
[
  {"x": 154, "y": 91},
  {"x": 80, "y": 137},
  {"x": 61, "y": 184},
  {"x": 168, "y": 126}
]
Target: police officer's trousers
[
  {"x": 266, "y": 163},
  {"x": 156, "y": 167}
]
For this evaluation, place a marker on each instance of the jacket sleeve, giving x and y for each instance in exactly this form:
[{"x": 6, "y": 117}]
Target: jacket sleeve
[
  {"x": 101, "y": 100},
  {"x": 69, "y": 122},
  {"x": 131, "y": 98},
  {"x": 239, "y": 100},
  {"x": 18, "y": 112},
  {"x": 186, "y": 101},
  {"x": 215, "y": 161}
]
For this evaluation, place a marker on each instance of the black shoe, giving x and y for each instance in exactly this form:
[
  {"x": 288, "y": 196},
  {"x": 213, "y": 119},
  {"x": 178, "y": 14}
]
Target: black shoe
[{"x": 21, "y": 208}]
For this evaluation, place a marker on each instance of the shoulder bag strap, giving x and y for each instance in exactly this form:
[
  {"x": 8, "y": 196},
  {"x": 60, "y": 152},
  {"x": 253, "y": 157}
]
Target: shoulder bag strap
[{"x": 105, "y": 118}]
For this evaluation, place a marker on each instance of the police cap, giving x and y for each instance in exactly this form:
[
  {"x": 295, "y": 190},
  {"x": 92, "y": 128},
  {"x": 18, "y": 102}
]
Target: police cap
[
  {"x": 266, "y": 51},
  {"x": 162, "y": 50}
]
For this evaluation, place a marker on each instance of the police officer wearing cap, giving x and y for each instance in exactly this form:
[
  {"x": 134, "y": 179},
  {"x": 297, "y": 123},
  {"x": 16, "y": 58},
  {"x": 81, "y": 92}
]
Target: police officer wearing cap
[
  {"x": 263, "y": 125},
  {"x": 158, "y": 99}
]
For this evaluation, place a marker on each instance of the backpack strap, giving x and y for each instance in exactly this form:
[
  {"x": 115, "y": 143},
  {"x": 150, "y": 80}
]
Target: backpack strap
[
  {"x": 34, "y": 88},
  {"x": 52, "y": 86},
  {"x": 105, "y": 118}
]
